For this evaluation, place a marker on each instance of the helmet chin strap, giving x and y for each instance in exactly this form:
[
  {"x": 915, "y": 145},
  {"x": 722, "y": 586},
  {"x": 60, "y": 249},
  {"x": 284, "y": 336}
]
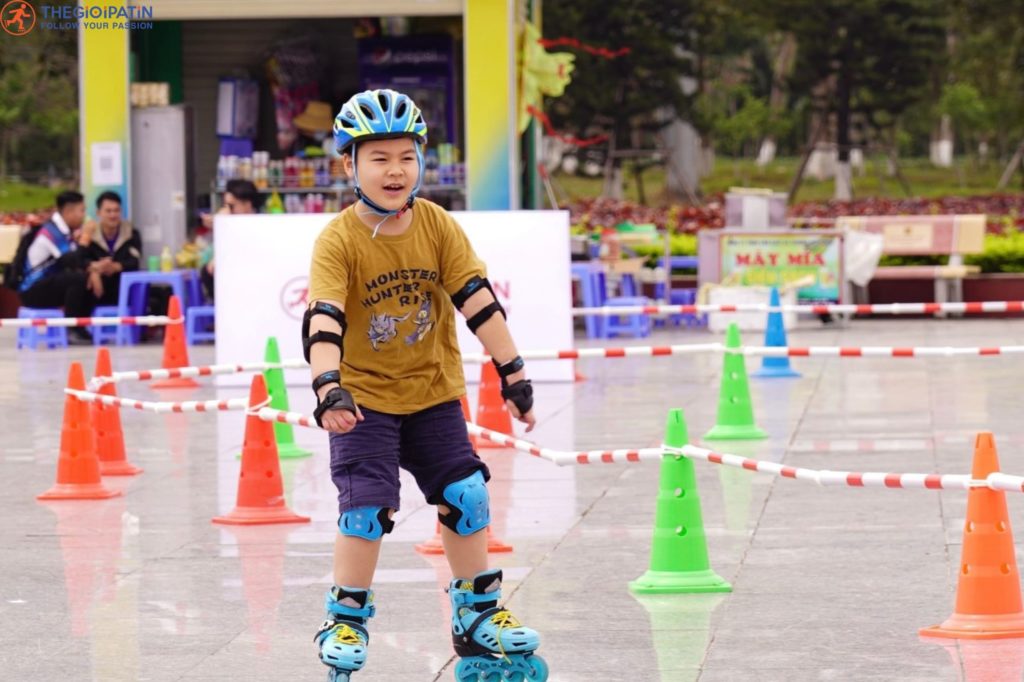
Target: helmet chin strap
[{"x": 377, "y": 209}]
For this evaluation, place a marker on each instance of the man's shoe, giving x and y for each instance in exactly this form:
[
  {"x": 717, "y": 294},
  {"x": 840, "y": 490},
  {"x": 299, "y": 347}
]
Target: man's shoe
[{"x": 78, "y": 336}]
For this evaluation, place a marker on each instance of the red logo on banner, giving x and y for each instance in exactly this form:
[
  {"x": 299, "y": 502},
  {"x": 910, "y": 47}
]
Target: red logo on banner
[
  {"x": 18, "y": 17},
  {"x": 295, "y": 297}
]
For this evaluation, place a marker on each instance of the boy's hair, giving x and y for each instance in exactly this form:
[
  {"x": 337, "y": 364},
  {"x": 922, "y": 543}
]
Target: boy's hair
[
  {"x": 68, "y": 197},
  {"x": 243, "y": 190},
  {"x": 108, "y": 196}
]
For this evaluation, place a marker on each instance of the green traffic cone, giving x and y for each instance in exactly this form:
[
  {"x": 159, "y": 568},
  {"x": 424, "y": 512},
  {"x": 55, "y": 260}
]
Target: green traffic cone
[
  {"x": 284, "y": 434},
  {"x": 735, "y": 411},
  {"x": 679, "y": 551}
]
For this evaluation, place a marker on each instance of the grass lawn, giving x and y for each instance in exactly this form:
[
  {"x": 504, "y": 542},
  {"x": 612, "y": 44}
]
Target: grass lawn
[
  {"x": 17, "y": 196},
  {"x": 925, "y": 180}
]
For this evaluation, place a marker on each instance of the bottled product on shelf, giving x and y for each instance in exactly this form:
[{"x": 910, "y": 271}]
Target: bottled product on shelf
[{"x": 317, "y": 185}]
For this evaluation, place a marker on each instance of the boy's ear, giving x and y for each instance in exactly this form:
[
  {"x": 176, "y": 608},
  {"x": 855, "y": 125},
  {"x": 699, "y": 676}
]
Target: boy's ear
[{"x": 346, "y": 164}]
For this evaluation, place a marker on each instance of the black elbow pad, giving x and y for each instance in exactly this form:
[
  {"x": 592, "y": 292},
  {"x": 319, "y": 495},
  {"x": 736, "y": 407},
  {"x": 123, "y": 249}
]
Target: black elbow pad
[
  {"x": 321, "y": 308},
  {"x": 474, "y": 285}
]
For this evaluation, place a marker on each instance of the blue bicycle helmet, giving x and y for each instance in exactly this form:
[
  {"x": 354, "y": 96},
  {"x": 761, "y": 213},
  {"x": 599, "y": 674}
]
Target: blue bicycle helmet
[{"x": 380, "y": 115}]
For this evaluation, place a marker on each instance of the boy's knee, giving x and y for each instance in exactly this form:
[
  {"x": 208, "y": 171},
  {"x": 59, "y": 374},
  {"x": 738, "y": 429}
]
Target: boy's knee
[
  {"x": 368, "y": 523},
  {"x": 465, "y": 505}
]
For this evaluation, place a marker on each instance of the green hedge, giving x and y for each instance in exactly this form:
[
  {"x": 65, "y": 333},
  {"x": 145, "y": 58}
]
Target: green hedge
[{"x": 1003, "y": 253}]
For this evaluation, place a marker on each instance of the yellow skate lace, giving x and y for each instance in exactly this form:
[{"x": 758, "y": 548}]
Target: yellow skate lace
[
  {"x": 343, "y": 634},
  {"x": 502, "y": 620}
]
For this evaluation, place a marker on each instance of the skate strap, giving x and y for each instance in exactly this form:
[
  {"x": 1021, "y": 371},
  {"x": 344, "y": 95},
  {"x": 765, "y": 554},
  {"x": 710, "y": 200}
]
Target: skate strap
[{"x": 464, "y": 598}]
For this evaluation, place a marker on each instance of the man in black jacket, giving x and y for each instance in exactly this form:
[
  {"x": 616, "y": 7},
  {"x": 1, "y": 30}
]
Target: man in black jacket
[{"x": 109, "y": 249}]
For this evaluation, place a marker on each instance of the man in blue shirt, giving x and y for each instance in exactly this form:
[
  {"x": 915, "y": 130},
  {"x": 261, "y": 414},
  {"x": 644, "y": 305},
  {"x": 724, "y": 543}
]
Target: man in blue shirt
[{"x": 54, "y": 274}]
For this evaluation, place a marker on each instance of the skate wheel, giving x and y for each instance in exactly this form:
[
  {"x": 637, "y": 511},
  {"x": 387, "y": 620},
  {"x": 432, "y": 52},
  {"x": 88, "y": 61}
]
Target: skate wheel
[
  {"x": 472, "y": 670},
  {"x": 335, "y": 675},
  {"x": 538, "y": 669}
]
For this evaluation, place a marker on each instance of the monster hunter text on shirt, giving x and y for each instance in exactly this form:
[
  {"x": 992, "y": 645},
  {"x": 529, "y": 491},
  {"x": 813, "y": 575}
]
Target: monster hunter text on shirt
[{"x": 401, "y": 351}]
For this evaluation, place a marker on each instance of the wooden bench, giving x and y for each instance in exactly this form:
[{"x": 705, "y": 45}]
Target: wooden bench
[{"x": 926, "y": 235}]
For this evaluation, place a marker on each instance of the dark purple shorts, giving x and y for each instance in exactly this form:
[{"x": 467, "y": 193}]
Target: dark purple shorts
[{"x": 432, "y": 444}]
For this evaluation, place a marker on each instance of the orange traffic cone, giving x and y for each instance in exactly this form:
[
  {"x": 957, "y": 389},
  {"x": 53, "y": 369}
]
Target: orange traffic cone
[
  {"x": 260, "y": 488},
  {"x": 435, "y": 546},
  {"x": 175, "y": 352},
  {"x": 78, "y": 469},
  {"x": 468, "y": 417},
  {"x": 491, "y": 411},
  {"x": 988, "y": 602},
  {"x": 106, "y": 422}
]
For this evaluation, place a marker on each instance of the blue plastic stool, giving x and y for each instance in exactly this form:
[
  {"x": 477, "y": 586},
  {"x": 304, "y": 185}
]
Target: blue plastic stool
[
  {"x": 30, "y": 337},
  {"x": 627, "y": 286},
  {"x": 592, "y": 294},
  {"x": 106, "y": 333},
  {"x": 638, "y": 325},
  {"x": 682, "y": 297},
  {"x": 195, "y": 319}
]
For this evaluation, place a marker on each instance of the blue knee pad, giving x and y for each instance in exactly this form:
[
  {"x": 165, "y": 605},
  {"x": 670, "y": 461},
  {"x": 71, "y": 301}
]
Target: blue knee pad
[
  {"x": 369, "y": 523},
  {"x": 468, "y": 504}
]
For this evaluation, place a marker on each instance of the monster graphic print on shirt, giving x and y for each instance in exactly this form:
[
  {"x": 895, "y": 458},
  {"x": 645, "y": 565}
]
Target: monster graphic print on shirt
[{"x": 405, "y": 287}]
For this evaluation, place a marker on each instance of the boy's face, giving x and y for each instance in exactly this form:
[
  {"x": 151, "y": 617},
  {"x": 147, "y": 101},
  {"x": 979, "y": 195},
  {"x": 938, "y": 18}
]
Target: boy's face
[{"x": 388, "y": 170}]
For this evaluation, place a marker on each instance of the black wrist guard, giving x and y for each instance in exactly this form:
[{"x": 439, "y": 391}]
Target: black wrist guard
[
  {"x": 521, "y": 395},
  {"x": 336, "y": 399},
  {"x": 521, "y": 392}
]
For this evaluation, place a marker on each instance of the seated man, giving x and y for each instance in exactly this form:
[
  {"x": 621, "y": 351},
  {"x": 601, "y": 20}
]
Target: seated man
[
  {"x": 110, "y": 250},
  {"x": 54, "y": 276},
  {"x": 240, "y": 197}
]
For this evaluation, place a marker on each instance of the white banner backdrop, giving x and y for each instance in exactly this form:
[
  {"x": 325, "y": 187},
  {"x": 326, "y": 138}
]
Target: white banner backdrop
[{"x": 262, "y": 270}]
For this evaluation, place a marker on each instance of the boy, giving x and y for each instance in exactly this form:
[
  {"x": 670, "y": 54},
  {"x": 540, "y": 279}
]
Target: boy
[{"x": 388, "y": 273}]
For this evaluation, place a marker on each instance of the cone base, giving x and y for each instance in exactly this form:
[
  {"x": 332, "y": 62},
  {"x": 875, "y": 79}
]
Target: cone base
[
  {"x": 496, "y": 546},
  {"x": 434, "y": 546},
  {"x": 728, "y": 432},
  {"x": 252, "y": 516},
  {"x": 119, "y": 468},
  {"x": 966, "y": 626},
  {"x": 180, "y": 382},
  {"x": 78, "y": 491},
  {"x": 776, "y": 372},
  {"x": 679, "y": 582},
  {"x": 292, "y": 451}
]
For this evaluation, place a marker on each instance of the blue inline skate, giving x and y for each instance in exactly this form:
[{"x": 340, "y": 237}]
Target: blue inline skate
[
  {"x": 493, "y": 645},
  {"x": 343, "y": 638}
]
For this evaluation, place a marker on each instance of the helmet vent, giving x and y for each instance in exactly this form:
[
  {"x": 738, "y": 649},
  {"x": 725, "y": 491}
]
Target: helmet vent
[
  {"x": 367, "y": 112},
  {"x": 383, "y": 102},
  {"x": 400, "y": 111}
]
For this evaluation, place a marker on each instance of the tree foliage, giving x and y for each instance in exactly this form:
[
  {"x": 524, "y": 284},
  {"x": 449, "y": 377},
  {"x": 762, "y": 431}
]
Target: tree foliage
[
  {"x": 38, "y": 101},
  {"x": 623, "y": 95}
]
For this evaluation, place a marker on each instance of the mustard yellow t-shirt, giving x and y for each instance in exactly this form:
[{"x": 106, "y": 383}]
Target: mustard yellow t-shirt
[{"x": 401, "y": 352}]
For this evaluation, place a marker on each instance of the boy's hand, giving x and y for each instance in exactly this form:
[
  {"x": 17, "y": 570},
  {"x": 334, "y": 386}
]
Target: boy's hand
[
  {"x": 341, "y": 420},
  {"x": 529, "y": 419}
]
